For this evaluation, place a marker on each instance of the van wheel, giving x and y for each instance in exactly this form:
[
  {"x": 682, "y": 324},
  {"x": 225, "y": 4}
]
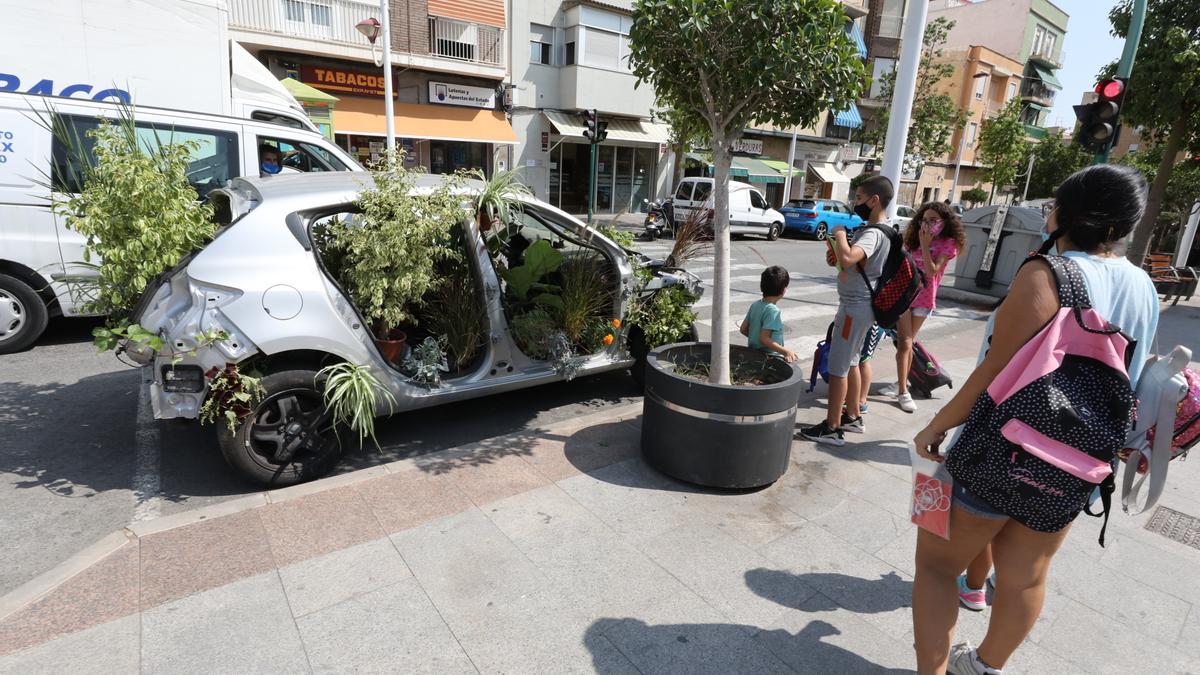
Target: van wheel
[
  {"x": 773, "y": 233},
  {"x": 822, "y": 231},
  {"x": 23, "y": 315},
  {"x": 288, "y": 439}
]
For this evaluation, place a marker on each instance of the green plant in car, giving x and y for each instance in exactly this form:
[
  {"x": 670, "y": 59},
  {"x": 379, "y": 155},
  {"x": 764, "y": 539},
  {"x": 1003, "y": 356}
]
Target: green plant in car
[
  {"x": 665, "y": 317},
  {"x": 351, "y": 393},
  {"x": 232, "y": 396}
]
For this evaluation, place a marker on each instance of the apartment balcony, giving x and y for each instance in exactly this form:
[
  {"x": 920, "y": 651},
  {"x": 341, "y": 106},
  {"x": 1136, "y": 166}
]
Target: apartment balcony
[
  {"x": 467, "y": 42},
  {"x": 1035, "y": 132},
  {"x": 855, "y": 8},
  {"x": 1047, "y": 59},
  {"x": 1038, "y": 99},
  {"x": 313, "y": 21},
  {"x": 609, "y": 91}
]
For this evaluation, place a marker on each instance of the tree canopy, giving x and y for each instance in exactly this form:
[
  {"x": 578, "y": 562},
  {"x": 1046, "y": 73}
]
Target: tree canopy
[
  {"x": 1002, "y": 145},
  {"x": 1055, "y": 159}
]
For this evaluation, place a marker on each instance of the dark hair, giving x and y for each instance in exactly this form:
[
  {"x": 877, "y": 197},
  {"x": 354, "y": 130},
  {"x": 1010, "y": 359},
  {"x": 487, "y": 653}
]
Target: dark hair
[
  {"x": 264, "y": 148},
  {"x": 952, "y": 227},
  {"x": 1099, "y": 205},
  {"x": 774, "y": 280},
  {"x": 880, "y": 186}
]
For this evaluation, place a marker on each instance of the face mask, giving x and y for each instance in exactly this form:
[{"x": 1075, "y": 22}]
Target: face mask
[
  {"x": 934, "y": 228},
  {"x": 270, "y": 168},
  {"x": 862, "y": 211}
]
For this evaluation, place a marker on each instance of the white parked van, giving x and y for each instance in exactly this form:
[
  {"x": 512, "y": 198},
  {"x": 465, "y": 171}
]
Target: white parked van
[
  {"x": 39, "y": 256},
  {"x": 749, "y": 212}
]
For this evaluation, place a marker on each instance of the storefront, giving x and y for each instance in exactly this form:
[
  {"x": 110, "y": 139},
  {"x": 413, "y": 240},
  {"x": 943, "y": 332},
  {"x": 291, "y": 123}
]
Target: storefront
[
  {"x": 443, "y": 123},
  {"x": 628, "y": 163}
]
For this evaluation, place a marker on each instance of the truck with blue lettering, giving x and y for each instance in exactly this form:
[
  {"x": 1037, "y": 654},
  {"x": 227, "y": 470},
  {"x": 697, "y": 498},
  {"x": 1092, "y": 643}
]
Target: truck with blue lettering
[{"x": 79, "y": 63}]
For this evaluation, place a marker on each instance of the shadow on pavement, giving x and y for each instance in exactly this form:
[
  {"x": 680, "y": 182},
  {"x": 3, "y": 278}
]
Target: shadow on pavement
[
  {"x": 862, "y": 596},
  {"x": 722, "y": 648}
]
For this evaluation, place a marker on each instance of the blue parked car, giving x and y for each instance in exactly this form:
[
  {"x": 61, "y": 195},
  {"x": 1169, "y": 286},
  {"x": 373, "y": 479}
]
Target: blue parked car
[{"x": 816, "y": 217}]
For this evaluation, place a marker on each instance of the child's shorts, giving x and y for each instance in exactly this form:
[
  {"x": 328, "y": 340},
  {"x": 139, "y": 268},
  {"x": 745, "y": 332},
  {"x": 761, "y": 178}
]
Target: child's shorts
[{"x": 851, "y": 327}]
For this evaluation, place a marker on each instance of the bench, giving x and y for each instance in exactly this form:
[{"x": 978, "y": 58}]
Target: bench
[{"x": 1170, "y": 281}]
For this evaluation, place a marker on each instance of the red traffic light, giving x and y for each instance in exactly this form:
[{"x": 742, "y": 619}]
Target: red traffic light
[{"x": 1110, "y": 89}]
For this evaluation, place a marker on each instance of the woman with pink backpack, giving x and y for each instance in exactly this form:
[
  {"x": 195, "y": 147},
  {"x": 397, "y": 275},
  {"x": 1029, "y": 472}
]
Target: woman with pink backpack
[{"x": 1042, "y": 418}]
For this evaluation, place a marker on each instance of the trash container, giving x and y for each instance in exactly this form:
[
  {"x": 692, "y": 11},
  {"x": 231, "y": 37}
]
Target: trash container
[{"x": 989, "y": 269}]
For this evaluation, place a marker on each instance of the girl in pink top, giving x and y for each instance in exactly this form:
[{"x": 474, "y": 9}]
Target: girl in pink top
[{"x": 934, "y": 237}]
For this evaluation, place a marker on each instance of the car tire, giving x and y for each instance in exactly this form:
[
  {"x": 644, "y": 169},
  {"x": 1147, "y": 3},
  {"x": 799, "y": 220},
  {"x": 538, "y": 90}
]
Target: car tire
[
  {"x": 822, "y": 231},
  {"x": 23, "y": 315},
  {"x": 773, "y": 232},
  {"x": 248, "y": 448}
]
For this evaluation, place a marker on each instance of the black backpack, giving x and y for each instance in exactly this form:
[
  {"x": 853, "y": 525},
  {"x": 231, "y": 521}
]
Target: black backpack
[{"x": 899, "y": 283}]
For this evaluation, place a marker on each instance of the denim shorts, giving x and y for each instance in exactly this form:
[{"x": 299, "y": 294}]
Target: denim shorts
[{"x": 974, "y": 505}]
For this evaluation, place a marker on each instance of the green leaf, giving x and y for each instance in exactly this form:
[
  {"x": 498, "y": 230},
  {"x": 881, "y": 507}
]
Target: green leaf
[{"x": 540, "y": 260}]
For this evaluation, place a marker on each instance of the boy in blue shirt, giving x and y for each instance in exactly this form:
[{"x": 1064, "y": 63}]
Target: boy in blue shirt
[{"x": 763, "y": 325}]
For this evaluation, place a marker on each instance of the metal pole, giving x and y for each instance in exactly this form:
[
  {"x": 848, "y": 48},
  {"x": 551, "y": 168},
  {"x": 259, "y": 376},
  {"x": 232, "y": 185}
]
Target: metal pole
[
  {"x": 1187, "y": 236},
  {"x": 787, "y": 181},
  {"x": 1028, "y": 176},
  {"x": 388, "y": 109},
  {"x": 1128, "y": 55},
  {"x": 962, "y": 143},
  {"x": 902, "y": 95},
  {"x": 591, "y": 182}
]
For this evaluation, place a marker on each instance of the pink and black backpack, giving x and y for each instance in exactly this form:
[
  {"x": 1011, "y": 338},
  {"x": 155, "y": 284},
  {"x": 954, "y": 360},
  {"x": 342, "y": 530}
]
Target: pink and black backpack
[{"x": 1047, "y": 431}]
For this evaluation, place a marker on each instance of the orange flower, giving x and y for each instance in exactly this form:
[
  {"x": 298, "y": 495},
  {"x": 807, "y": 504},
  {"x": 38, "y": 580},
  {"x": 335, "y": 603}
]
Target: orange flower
[
  {"x": 608, "y": 339},
  {"x": 616, "y": 323}
]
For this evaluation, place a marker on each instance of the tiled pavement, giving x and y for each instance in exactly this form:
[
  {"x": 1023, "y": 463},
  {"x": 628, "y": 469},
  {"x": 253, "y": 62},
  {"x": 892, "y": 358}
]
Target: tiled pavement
[{"x": 560, "y": 550}]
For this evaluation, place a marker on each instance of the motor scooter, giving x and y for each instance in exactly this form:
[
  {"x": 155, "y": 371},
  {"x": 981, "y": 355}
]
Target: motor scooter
[{"x": 660, "y": 219}]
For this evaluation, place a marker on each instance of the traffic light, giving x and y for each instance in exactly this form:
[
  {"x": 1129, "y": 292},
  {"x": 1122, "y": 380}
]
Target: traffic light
[
  {"x": 597, "y": 129},
  {"x": 1099, "y": 121}
]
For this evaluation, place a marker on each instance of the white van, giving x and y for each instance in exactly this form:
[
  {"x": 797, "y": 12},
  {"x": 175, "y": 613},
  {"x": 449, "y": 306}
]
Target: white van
[
  {"x": 39, "y": 273},
  {"x": 749, "y": 212}
]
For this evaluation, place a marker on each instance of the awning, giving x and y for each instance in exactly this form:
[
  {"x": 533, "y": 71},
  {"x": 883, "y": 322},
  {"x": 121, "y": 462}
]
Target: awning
[
  {"x": 1047, "y": 76},
  {"x": 848, "y": 118},
  {"x": 1037, "y": 106},
  {"x": 758, "y": 171},
  {"x": 436, "y": 122},
  {"x": 305, "y": 93},
  {"x": 734, "y": 171},
  {"x": 828, "y": 173},
  {"x": 857, "y": 37},
  {"x": 571, "y": 125},
  {"x": 781, "y": 167}
]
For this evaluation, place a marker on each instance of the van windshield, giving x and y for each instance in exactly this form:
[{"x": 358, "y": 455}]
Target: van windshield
[{"x": 801, "y": 204}]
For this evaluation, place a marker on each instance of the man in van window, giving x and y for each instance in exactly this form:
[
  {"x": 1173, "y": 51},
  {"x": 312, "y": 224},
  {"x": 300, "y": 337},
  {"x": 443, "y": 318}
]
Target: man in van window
[{"x": 270, "y": 162}]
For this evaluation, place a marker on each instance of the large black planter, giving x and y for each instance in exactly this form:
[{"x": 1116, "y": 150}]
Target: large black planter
[{"x": 718, "y": 435}]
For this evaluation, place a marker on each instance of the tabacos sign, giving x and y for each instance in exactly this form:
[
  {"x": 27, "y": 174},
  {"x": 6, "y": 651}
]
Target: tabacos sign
[
  {"x": 342, "y": 80},
  {"x": 10, "y": 82}
]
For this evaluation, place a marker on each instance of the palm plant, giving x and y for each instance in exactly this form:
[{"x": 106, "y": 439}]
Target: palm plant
[{"x": 351, "y": 396}]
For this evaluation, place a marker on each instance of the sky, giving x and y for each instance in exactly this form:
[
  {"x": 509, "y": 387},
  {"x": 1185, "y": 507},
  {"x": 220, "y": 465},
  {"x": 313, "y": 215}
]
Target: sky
[{"x": 1088, "y": 47}]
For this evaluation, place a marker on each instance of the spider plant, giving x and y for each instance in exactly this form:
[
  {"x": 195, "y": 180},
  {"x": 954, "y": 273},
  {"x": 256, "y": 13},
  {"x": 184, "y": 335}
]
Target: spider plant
[
  {"x": 351, "y": 395},
  {"x": 500, "y": 196}
]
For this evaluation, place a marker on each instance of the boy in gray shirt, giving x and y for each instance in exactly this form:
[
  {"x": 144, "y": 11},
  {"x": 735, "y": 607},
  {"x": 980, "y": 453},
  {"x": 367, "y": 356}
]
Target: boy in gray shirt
[{"x": 862, "y": 255}]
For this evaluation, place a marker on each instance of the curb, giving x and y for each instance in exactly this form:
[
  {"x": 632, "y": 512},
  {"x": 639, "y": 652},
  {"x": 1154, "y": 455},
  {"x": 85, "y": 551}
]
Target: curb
[
  {"x": 45, "y": 583},
  {"x": 966, "y": 297}
]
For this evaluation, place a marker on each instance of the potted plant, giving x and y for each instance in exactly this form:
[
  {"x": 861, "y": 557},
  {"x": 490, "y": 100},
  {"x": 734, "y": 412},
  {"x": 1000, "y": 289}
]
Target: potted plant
[
  {"x": 388, "y": 258},
  {"x": 729, "y": 65}
]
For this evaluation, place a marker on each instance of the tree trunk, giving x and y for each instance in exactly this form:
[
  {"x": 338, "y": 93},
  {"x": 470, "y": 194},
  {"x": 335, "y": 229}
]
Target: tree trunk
[
  {"x": 719, "y": 371},
  {"x": 677, "y": 170},
  {"x": 1145, "y": 229}
]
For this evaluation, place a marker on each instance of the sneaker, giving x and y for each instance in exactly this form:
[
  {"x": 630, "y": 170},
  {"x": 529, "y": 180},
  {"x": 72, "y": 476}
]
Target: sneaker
[
  {"x": 821, "y": 433},
  {"x": 853, "y": 425},
  {"x": 991, "y": 580},
  {"x": 964, "y": 661},
  {"x": 905, "y": 401},
  {"x": 972, "y": 599},
  {"x": 862, "y": 408}
]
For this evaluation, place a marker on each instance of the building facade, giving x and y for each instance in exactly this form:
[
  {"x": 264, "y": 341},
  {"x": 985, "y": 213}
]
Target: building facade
[
  {"x": 569, "y": 57},
  {"x": 449, "y": 60},
  {"x": 1028, "y": 31},
  {"x": 984, "y": 81}
]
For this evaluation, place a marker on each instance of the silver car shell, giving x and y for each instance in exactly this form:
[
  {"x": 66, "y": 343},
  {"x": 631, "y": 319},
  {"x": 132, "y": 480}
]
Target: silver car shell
[{"x": 260, "y": 283}]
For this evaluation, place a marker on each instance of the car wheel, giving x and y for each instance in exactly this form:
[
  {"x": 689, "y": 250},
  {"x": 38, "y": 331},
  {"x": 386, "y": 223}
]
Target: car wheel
[
  {"x": 288, "y": 439},
  {"x": 822, "y": 231},
  {"x": 773, "y": 233},
  {"x": 23, "y": 315}
]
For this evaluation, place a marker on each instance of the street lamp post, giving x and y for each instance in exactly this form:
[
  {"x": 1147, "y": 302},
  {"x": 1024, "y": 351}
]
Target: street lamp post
[
  {"x": 372, "y": 30},
  {"x": 902, "y": 95},
  {"x": 962, "y": 139}
]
